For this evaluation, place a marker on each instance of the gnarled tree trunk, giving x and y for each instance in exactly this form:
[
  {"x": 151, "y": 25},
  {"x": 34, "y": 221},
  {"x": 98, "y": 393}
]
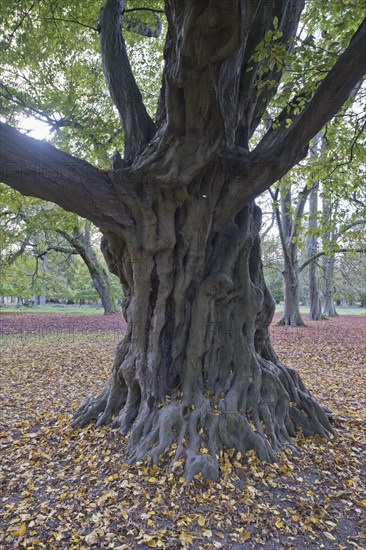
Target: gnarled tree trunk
[{"x": 196, "y": 367}]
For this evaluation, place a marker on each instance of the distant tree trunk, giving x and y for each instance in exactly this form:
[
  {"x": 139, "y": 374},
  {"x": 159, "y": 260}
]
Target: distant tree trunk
[
  {"x": 314, "y": 293},
  {"x": 328, "y": 263},
  {"x": 288, "y": 224},
  {"x": 329, "y": 309},
  {"x": 42, "y": 298},
  {"x": 81, "y": 242},
  {"x": 291, "y": 314}
]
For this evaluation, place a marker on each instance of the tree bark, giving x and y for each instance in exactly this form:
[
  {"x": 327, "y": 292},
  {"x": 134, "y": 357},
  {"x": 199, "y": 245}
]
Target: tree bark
[
  {"x": 314, "y": 293},
  {"x": 196, "y": 369},
  {"x": 291, "y": 314}
]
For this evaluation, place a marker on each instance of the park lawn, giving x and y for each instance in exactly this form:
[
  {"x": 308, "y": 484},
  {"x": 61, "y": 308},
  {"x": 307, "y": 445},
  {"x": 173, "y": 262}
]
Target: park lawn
[{"x": 73, "y": 489}]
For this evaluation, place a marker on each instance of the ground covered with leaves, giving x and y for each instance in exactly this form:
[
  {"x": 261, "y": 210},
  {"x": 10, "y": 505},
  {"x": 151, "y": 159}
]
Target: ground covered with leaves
[{"x": 73, "y": 490}]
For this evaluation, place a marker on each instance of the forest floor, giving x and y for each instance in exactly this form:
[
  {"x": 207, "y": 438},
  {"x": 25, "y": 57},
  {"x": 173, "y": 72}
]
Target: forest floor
[{"x": 63, "y": 489}]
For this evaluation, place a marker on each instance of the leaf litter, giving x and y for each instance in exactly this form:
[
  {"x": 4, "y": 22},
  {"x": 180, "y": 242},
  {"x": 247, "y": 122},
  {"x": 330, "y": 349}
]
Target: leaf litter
[{"x": 64, "y": 489}]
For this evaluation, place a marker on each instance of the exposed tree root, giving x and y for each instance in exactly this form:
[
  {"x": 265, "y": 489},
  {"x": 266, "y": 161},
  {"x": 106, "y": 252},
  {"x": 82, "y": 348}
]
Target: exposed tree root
[{"x": 263, "y": 416}]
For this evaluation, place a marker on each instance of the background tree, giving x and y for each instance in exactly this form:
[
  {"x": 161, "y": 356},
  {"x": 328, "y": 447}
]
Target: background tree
[
  {"x": 30, "y": 225},
  {"x": 196, "y": 368},
  {"x": 289, "y": 219}
]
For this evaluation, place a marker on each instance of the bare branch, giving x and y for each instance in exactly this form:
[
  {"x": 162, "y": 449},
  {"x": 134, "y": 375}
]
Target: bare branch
[
  {"x": 138, "y": 126},
  {"x": 152, "y": 10},
  {"x": 13, "y": 257},
  {"x": 38, "y": 169},
  {"x": 347, "y": 227},
  {"x": 325, "y": 253},
  {"x": 66, "y": 20}
]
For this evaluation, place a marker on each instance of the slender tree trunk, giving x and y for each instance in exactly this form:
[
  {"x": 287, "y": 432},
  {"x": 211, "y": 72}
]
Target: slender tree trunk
[
  {"x": 42, "y": 298},
  {"x": 287, "y": 225},
  {"x": 314, "y": 294},
  {"x": 328, "y": 264},
  {"x": 82, "y": 244},
  {"x": 328, "y": 287},
  {"x": 291, "y": 314}
]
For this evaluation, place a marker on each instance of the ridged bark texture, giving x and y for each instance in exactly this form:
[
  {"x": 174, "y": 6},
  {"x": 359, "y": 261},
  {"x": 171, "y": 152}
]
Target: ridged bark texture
[{"x": 196, "y": 368}]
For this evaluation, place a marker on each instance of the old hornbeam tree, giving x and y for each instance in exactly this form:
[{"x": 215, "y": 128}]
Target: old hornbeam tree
[{"x": 196, "y": 367}]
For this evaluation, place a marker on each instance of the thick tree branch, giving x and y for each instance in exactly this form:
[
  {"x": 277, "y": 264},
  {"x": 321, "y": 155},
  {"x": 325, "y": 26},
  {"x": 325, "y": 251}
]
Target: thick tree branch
[
  {"x": 258, "y": 86},
  {"x": 138, "y": 126},
  {"x": 60, "y": 249},
  {"x": 332, "y": 92},
  {"x": 282, "y": 148},
  {"x": 40, "y": 170}
]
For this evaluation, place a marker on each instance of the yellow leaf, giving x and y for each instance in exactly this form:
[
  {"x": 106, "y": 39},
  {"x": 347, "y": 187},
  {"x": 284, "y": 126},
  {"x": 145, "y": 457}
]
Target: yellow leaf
[
  {"x": 279, "y": 524},
  {"x": 124, "y": 514},
  {"x": 106, "y": 496},
  {"x": 295, "y": 517},
  {"x": 201, "y": 521},
  {"x": 152, "y": 480},
  {"x": 245, "y": 535},
  {"x": 363, "y": 503},
  {"x": 18, "y": 531},
  {"x": 186, "y": 538},
  {"x": 91, "y": 538}
]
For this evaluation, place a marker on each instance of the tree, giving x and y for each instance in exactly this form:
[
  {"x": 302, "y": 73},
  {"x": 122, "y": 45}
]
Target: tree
[
  {"x": 196, "y": 368},
  {"x": 32, "y": 225},
  {"x": 80, "y": 242},
  {"x": 289, "y": 225}
]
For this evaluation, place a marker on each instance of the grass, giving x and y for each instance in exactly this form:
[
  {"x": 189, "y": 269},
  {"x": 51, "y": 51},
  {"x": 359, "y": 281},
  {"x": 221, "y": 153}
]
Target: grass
[
  {"x": 341, "y": 310},
  {"x": 98, "y": 310},
  {"x": 54, "y": 308}
]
